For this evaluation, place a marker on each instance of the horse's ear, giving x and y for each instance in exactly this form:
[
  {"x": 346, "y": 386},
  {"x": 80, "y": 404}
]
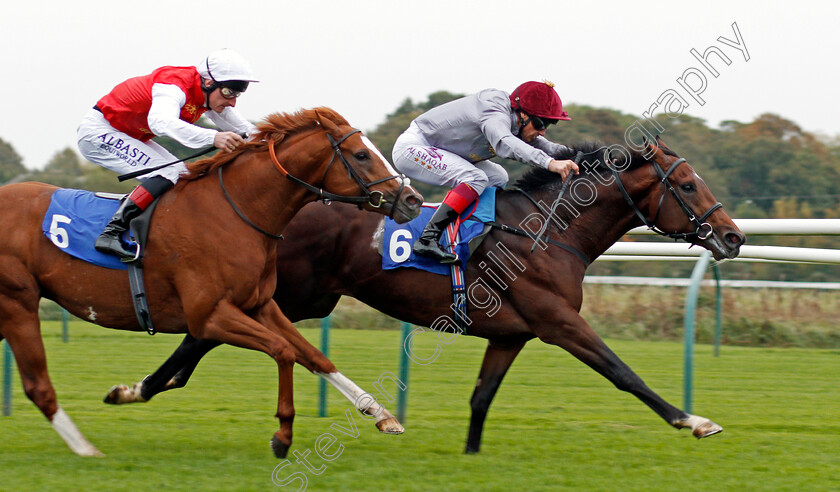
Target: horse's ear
[
  {"x": 661, "y": 143},
  {"x": 651, "y": 147},
  {"x": 328, "y": 125}
]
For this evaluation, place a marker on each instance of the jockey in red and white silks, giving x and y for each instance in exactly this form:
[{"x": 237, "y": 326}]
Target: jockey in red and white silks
[
  {"x": 451, "y": 145},
  {"x": 117, "y": 132}
]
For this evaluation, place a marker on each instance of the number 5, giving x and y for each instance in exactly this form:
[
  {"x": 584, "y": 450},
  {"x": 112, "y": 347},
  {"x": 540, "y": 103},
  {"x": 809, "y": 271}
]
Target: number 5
[{"x": 58, "y": 235}]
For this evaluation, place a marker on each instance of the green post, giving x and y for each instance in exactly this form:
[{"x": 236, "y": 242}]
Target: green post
[
  {"x": 402, "y": 397},
  {"x": 689, "y": 322},
  {"x": 325, "y": 349},
  {"x": 7, "y": 379},
  {"x": 718, "y": 311},
  {"x": 65, "y": 332}
]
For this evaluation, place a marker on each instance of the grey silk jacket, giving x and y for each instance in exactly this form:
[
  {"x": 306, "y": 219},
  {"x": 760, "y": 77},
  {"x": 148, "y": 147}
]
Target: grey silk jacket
[{"x": 483, "y": 126}]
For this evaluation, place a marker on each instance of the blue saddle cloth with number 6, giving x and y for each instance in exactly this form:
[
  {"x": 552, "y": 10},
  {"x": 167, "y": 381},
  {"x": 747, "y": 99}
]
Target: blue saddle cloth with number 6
[
  {"x": 74, "y": 220},
  {"x": 399, "y": 238}
]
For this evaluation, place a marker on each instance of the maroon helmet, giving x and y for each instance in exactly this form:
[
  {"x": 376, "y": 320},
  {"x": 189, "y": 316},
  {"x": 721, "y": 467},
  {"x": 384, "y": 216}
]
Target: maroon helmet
[{"x": 538, "y": 99}]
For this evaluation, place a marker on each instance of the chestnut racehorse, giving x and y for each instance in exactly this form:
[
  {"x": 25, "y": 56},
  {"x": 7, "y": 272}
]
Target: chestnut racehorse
[
  {"x": 518, "y": 293},
  {"x": 210, "y": 259}
]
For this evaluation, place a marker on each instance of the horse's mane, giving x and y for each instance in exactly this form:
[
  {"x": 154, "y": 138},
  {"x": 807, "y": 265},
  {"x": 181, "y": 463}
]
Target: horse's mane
[
  {"x": 539, "y": 178},
  {"x": 276, "y": 127}
]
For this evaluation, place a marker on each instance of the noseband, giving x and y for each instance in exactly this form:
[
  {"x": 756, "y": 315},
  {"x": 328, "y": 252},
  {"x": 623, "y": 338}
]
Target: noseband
[{"x": 703, "y": 230}]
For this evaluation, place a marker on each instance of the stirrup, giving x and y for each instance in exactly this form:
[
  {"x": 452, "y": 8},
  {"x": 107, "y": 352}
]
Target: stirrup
[
  {"x": 433, "y": 250},
  {"x": 124, "y": 254},
  {"x": 136, "y": 255}
]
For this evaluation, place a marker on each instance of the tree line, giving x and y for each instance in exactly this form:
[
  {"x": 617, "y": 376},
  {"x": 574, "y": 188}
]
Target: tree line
[{"x": 767, "y": 168}]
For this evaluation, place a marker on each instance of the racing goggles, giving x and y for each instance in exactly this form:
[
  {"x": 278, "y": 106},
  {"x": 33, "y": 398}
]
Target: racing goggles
[
  {"x": 540, "y": 124},
  {"x": 231, "y": 89}
]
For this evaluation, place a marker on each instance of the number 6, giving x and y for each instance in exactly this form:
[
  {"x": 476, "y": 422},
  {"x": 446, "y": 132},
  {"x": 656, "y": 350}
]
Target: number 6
[{"x": 400, "y": 247}]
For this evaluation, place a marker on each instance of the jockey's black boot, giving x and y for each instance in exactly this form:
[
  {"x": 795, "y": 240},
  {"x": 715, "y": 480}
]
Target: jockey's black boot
[
  {"x": 428, "y": 244},
  {"x": 109, "y": 241},
  {"x": 132, "y": 206}
]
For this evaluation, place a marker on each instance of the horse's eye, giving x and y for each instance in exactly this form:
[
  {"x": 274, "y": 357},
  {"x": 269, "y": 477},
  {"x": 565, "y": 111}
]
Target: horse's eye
[
  {"x": 688, "y": 188},
  {"x": 362, "y": 156}
]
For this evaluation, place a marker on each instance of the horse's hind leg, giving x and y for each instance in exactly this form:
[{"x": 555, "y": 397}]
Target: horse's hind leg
[
  {"x": 497, "y": 361},
  {"x": 21, "y": 328},
  {"x": 174, "y": 373},
  {"x": 573, "y": 333}
]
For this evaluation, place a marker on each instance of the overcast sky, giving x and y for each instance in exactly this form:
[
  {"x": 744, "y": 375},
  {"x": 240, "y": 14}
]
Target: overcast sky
[{"x": 363, "y": 58}]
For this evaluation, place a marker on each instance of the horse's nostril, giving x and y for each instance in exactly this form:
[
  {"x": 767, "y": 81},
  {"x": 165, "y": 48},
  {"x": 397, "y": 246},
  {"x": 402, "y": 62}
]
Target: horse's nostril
[{"x": 735, "y": 239}]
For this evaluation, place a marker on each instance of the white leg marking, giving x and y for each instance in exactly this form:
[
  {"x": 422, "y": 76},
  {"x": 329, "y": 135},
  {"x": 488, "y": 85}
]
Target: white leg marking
[
  {"x": 121, "y": 394},
  {"x": 364, "y": 401},
  {"x": 344, "y": 385},
  {"x": 700, "y": 426},
  {"x": 72, "y": 436}
]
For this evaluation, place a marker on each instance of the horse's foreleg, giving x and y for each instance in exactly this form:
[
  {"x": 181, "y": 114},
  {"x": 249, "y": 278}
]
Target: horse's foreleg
[
  {"x": 573, "y": 333},
  {"x": 228, "y": 324},
  {"x": 311, "y": 358},
  {"x": 174, "y": 373},
  {"x": 497, "y": 360}
]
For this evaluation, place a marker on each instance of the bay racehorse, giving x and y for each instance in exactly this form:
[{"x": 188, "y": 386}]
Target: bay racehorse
[
  {"x": 516, "y": 292},
  {"x": 210, "y": 260}
]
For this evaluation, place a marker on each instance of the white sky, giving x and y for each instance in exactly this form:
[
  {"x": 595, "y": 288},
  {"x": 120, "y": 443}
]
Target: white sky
[{"x": 363, "y": 58}]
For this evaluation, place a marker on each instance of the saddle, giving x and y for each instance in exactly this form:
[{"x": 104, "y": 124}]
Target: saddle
[
  {"x": 463, "y": 237},
  {"x": 473, "y": 227},
  {"x": 73, "y": 221}
]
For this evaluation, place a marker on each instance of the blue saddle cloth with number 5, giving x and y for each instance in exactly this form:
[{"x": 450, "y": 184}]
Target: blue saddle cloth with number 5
[
  {"x": 74, "y": 220},
  {"x": 399, "y": 238}
]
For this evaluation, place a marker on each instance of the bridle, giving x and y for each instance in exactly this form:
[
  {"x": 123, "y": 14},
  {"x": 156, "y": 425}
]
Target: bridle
[
  {"x": 703, "y": 230},
  {"x": 374, "y": 198}
]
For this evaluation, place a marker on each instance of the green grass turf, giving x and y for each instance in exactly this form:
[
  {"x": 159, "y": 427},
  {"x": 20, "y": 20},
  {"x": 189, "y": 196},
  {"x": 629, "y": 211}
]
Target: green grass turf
[{"x": 554, "y": 425}]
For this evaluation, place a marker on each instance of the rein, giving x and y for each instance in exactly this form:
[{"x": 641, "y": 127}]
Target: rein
[
  {"x": 373, "y": 198},
  {"x": 239, "y": 212},
  {"x": 546, "y": 227},
  {"x": 521, "y": 232},
  {"x": 545, "y": 230}
]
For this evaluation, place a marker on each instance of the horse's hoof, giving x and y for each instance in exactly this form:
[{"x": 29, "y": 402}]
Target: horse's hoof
[
  {"x": 114, "y": 396},
  {"x": 706, "y": 429},
  {"x": 95, "y": 453},
  {"x": 390, "y": 425},
  {"x": 121, "y": 394},
  {"x": 700, "y": 427},
  {"x": 280, "y": 449},
  {"x": 470, "y": 450}
]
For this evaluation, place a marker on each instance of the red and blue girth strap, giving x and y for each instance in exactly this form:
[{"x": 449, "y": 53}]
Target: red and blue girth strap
[{"x": 459, "y": 287}]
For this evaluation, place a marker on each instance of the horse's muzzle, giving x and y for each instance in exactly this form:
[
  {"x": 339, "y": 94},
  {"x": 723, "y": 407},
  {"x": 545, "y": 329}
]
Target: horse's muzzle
[
  {"x": 726, "y": 245},
  {"x": 407, "y": 206}
]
